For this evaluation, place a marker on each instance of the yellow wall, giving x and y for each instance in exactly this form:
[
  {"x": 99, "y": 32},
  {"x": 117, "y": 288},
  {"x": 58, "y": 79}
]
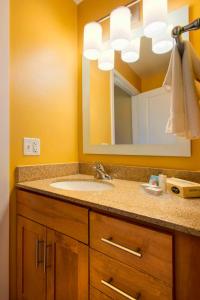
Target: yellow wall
[
  {"x": 43, "y": 86},
  {"x": 90, "y": 10},
  {"x": 123, "y": 117},
  {"x": 151, "y": 82},
  {"x": 126, "y": 71},
  {"x": 100, "y": 110}
]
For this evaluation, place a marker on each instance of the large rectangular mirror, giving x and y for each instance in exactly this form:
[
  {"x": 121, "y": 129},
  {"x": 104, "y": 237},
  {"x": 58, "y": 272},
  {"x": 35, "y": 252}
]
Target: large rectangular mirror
[{"x": 125, "y": 111}]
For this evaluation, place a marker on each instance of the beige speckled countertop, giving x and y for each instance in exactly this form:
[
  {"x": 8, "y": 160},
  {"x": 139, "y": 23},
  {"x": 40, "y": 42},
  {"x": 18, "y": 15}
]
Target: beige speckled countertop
[{"x": 128, "y": 199}]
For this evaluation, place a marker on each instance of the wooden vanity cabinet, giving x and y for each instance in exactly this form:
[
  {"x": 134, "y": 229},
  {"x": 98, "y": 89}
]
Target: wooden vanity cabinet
[
  {"x": 66, "y": 267},
  {"x": 97, "y": 295},
  {"x": 118, "y": 281},
  {"x": 66, "y": 252},
  {"x": 31, "y": 278},
  {"x": 187, "y": 266},
  {"x": 50, "y": 264},
  {"x": 147, "y": 250},
  {"x": 129, "y": 261}
]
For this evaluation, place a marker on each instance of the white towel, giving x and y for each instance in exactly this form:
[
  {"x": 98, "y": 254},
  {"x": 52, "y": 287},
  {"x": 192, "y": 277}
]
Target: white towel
[
  {"x": 184, "y": 117},
  {"x": 174, "y": 82}
]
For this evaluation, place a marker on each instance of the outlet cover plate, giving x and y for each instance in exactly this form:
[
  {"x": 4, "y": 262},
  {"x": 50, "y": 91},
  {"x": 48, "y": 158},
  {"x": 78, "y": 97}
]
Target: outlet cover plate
[{"x": 31, "y": 146}]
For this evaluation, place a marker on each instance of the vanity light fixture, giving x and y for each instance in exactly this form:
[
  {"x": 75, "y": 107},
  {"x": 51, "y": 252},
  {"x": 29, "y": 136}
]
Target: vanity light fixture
[
  {"x": 106, "y": 58},
  {"x": 92, "y": 40},
  {"x": 164, "y": 42},
  {"x": 120, "y": 28},
  {"x": 154, "y": 17},
  {"x": 155, "y": 26},
  {"x": 132, "y": 52}
]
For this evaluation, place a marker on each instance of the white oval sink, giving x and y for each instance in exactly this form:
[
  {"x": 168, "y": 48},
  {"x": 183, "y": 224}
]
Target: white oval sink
[{"x": 82, "y": 185}]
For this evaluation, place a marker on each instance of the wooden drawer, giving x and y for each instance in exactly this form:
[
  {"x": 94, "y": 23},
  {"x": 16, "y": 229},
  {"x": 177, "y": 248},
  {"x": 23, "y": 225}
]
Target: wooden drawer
[
  {"x": 63, "y": 217},
  {"x": 155, "y": 247},
  {"x": 97, "y": 295},
  {"x": 116, "y": 280}
]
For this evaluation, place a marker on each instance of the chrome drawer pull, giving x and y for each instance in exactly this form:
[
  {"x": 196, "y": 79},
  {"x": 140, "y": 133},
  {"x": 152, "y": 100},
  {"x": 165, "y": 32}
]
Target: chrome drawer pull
[
  {"x": 109, "y": 241},
  {"x": 45, "y": 256},
  {"x": 46, "y": 249},
  {"x": 37, "y": 253},
  {"x": 112, "y": 287}
]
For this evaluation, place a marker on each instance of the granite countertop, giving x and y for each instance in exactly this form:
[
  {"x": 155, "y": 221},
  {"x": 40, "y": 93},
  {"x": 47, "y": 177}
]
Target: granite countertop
[{"x": 128, "y": 199}]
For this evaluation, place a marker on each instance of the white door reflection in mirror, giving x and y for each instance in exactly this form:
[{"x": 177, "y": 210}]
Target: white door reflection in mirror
[{"x": 150, "y": 113}]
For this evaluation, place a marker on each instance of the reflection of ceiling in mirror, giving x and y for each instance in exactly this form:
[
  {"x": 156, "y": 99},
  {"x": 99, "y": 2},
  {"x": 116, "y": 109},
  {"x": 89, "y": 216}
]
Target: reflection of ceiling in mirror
[{"x": 150, "y": 63}]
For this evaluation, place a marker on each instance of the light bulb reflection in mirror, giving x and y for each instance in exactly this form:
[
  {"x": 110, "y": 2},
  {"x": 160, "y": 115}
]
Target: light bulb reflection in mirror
[
  {"x": 164, "y": 42},
  {"x": 132, "y": 52},
  {"x": 106, "y": 58}
]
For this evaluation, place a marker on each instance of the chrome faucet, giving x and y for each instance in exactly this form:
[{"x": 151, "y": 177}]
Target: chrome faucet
[{"x": 100, "y": 172}]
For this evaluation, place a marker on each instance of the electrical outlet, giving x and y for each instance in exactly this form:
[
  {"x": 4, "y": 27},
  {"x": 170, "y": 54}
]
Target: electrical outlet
[{"x": 31, "y": 146}]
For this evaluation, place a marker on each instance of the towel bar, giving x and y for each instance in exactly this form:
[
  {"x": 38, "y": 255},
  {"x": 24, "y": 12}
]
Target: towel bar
[{"x": 178, "y": 30}]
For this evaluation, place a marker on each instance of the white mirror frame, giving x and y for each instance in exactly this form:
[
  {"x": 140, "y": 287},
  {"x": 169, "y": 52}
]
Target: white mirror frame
[{"x": 182, "y": 148}]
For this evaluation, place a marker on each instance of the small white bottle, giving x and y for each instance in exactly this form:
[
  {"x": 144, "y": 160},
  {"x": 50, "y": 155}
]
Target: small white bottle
[{"x": 162, "y": 179}]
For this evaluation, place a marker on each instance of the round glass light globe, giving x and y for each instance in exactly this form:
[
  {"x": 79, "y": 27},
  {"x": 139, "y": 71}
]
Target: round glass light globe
[
  {"x": 106, "y": 58},
  {"x": 162, "y": 47},
  {"x": 155, "y": 14},
  {"x": 120, "y": 28},
  {"x": 154, "y": 29},
  {"x": 92, "y": 40}
]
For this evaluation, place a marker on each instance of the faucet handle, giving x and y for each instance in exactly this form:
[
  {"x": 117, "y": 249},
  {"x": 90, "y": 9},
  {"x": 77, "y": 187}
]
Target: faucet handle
[
  {"x": 99, "y": 166},
  {"x": 95, "y": 164}
]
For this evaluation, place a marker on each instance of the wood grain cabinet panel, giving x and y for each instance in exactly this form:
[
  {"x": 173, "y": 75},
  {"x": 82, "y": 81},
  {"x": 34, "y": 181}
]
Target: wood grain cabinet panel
[
  {"x": 127, "y": 261},
  {"x": 31, "y": 278},
  {"x": 50, "y": 265},
  {"x": 97, "y": 295},
  {"x": 116, "y": 280},
  {"x": 187, "y": 266},
  {"x": 66, "y": 218},
  {"x": 155, "y": 247},
  {"x": 67, "y": 268}
]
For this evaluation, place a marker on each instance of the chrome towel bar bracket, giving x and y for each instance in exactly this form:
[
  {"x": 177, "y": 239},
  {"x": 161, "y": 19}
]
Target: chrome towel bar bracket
[{"x": 179, "y": 30}]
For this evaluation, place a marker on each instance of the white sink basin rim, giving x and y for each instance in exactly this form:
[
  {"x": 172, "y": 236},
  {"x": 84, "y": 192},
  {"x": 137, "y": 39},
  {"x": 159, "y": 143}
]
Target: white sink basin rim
[{"x": 82, "y": 185}]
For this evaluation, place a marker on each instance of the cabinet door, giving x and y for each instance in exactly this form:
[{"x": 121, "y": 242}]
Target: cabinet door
[
  {"x": 187, "y": 266},
  {"x": 67, "y": 268},
  {"x": 97, "y": 295},
  {"x": 31, "y": 278}
]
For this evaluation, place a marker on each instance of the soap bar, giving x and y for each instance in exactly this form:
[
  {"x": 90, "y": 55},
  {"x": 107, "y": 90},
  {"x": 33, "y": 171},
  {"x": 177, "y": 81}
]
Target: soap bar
[
  {"x": 154, "y": 191},
  {"x": 146, "y": 185},
  {"x": 151, "y": 189}
]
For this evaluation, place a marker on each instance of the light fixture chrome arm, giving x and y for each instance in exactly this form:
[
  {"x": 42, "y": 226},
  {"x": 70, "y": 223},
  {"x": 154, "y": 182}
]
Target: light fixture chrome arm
[
  {"x": 179, "y": 30},
  {"x": 130, "y": 4}
]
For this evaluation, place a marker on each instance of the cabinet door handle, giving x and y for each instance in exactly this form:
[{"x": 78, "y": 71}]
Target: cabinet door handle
[
  {"x": 45, "y": 256},
  {"x": 134, "y": 252},
  {"x": 112, "y": 287},
  {"x": 46, "y": 249},
  {"x": 49, "y": 246},
  {"x": 37, "y": 253}
]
